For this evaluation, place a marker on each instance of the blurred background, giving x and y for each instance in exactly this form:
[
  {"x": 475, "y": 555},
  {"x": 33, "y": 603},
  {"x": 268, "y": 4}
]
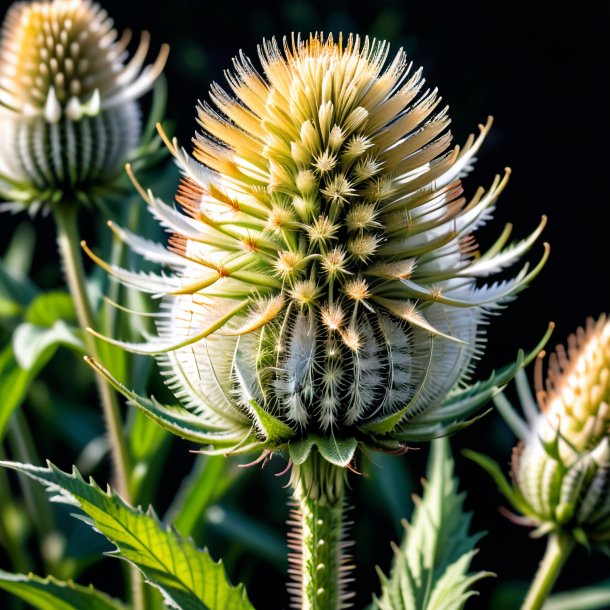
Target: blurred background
[{"x": 543, "y": 74}]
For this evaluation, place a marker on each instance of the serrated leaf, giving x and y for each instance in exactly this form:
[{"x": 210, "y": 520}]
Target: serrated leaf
[
  {"x": 188, "y": 578},
  {"x": 51, "y": 594},
  {"x": 430, "y": 570},
  {"x": 30, "y": 341}
]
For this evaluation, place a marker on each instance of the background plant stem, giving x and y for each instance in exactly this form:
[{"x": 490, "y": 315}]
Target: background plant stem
[
  {"x": 68, "y": 240},
  {"x": 558, "y": 549}
]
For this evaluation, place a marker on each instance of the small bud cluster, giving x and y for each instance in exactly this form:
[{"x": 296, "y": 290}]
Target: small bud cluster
[
  {"x": 561, "y": 469},
  {"x": 68, "y": 113}
]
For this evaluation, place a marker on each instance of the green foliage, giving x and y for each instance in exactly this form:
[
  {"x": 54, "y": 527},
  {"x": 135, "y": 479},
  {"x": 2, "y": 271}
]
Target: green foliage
[
  {"x": 51, "y": 594},
  {"x": 30, "y": 342},
  {"x": 16, "y": 289},
  {"x": 588, "y": 598},
  {"x": 430, "y": 570},
  {"x": 34, "y": 343},
  {"x": 188, "y": 578},
  {"x": 15, "y": 382}
]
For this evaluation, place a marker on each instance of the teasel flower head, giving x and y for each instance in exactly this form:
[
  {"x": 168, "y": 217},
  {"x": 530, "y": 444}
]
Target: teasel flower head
[
  {"x": 325, "y": 286},
  {"x": 561, "y": 466},
  {"x": 68, "y": 111}
]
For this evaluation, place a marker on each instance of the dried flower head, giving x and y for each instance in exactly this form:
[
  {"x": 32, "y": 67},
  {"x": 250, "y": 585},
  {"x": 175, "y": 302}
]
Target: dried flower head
[
  {"x": 325, "y": 278},
  {"x": 68, "y": 113},
  {"x": 561, "y": 467}
]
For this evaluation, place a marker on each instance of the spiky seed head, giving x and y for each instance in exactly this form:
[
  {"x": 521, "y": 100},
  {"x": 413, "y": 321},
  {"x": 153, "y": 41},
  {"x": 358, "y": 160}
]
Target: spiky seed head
[
  {"x": 68, "y": 113},
  {"x": 561, "y": 468},
  {"x": 307, "y": 174}
]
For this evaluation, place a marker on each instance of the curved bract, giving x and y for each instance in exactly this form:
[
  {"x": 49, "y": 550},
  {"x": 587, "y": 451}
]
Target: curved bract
[
  {"x": 68, "y": 110},
  {"x": 323, "y": 285}
]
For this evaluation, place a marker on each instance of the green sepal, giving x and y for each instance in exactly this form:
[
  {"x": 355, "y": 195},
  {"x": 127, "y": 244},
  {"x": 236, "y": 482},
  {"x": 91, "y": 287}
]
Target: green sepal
[
  {"x": 551, "y": 447},
  {"x": 581, "y": 537},
  {"x": 299, "y": 450},
  {"x": 564, "y": 512},
  {"x": 544, "y": 529},
  {"x": 275, "y": 430},
  {"x": 339, "y": 452},
  {"x": 492, "y": 468},
  {"x": 52, "y": 594}
]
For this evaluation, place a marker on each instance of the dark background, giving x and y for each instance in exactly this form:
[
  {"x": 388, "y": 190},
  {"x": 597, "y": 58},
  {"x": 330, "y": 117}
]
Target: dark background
[{"x": 542, "y": 72}]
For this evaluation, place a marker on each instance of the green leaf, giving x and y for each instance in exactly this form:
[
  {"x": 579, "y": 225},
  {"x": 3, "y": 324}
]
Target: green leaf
[
  {"x": 430, "y": 570},
  {"x": 596, "y": 597},
  {"x": 15, "y": 382},
  {"x": 49, "y": 307},
  {"x": 31, "y": 342},
  {"x": 51, "y": 594},
  {"x": 187, "y": 576}
]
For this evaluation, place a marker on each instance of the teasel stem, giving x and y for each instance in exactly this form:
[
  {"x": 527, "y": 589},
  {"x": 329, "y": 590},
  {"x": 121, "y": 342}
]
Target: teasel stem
[
  {"x": 559, "y": 547},
  {"x": 68, "y": 240},
  {"x": 318, "y": 563}
]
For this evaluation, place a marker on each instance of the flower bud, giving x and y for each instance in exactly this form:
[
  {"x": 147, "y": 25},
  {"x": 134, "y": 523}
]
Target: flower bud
[
  {"x": 327, "y": 287},
  {"x": 68, "y": 111},
  {"x": 561, "y": 467}
]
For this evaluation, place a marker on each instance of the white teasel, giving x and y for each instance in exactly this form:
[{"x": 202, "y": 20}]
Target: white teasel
[
  {"x": 68, "y": 111},
  {"x": 323, "y": 285},
  {"x": 561, "y": 466}
]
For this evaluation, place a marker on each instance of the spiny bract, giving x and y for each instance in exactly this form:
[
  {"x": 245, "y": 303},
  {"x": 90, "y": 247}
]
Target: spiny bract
[
  {"x": 68, "y": 113},
  {"x": 325, "y": 269},
  {"x": 561, "y": 467}
]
